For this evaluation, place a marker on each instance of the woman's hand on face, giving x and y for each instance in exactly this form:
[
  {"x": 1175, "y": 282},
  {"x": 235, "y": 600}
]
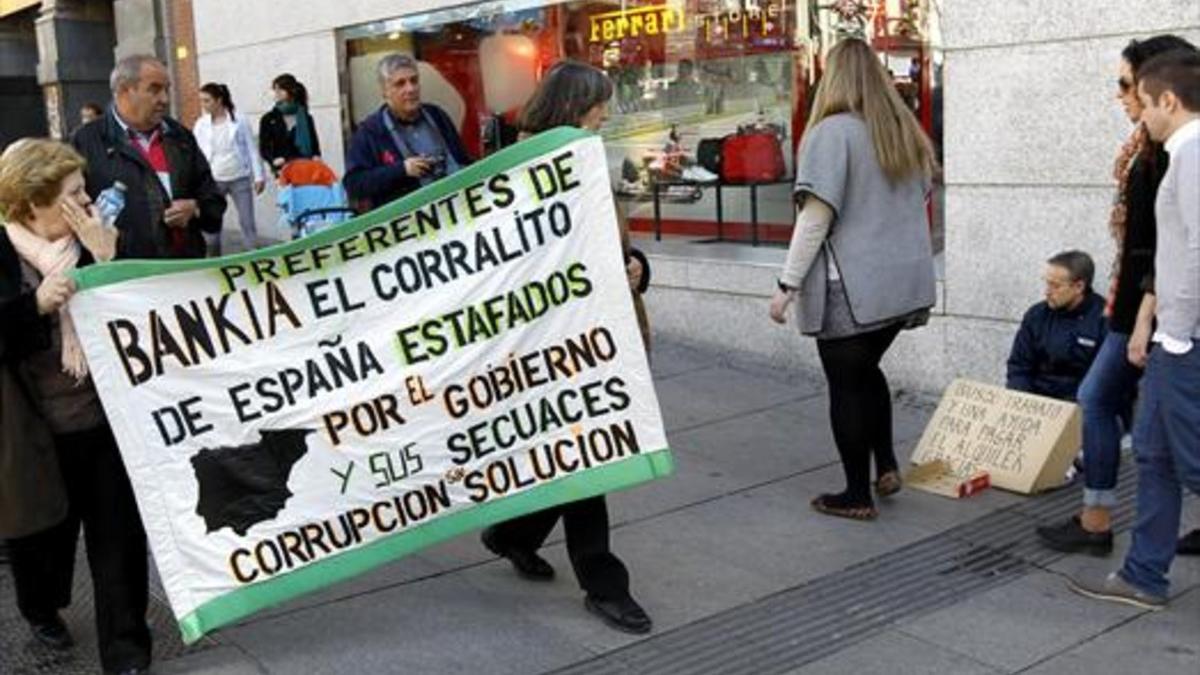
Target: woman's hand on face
[
  {"x": 53, "y": 293},
  {"x": 85, "y": 223},
  {"x": 779, "y": 305}
]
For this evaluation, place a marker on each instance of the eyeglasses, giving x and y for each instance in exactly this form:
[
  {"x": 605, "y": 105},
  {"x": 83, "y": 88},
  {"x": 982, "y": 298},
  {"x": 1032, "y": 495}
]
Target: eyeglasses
[{"x": 1124, "y": 85}]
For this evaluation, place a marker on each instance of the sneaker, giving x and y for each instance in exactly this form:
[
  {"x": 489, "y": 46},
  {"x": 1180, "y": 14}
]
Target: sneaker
[
  {"x": 1070, "y": 537},
  {"x": 1114, "y": 588},
  {"x": 1189, "y": 544},
  {"x": 52, "y": 633},
  {"x": 625, "y": 614},
  {"x": 528, "y": 564}
]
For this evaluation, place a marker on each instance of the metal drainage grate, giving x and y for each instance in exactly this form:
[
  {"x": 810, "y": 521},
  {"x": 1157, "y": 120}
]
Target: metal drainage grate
[
  {"x": 20, "y": 654},
  {"x": 803, "y": 624}
]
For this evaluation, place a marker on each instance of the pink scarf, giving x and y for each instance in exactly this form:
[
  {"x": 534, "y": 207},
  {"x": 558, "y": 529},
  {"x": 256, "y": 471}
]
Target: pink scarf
[{"x": 54, "y": 257}]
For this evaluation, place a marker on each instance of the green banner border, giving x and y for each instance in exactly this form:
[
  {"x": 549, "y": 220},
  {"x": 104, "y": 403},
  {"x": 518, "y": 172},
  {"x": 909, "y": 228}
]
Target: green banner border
[
  {"x": 243, "y": 602},
  {"x": 103, "y": 274}
]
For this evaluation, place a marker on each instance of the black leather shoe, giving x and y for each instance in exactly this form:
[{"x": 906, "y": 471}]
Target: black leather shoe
[
  {"x": 52, "y": 633},
  {"x": 528, "y": 564},
  {"x": 625, "y": 615},
  {"x": 1070, "y": 537},
  {"x": 1189, "y": 544}
]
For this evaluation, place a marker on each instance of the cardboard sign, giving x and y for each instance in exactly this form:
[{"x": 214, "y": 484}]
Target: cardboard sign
[
  {"x": 1024, "y": 442},
  {"x": 297, "y": 415}
]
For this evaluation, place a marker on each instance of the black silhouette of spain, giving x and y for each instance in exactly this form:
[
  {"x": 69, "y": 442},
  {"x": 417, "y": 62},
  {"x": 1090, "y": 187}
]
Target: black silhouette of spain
[{"x": 242, "y": 485}]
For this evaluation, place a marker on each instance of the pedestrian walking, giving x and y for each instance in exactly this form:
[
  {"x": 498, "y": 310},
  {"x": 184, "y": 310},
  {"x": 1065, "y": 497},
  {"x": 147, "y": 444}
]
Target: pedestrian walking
[
  {"x": 1107, "y": 392},
  {"x": 1166, "y": 432},
  {"x": 860, "y": 263},
  {"x": 171, "y": 198},
  {"x": 573, "y": 94},
  {"x": 61, "y": 466},
  {"x": 288, "y": 131},
  {"x": 227, "y": 142}
]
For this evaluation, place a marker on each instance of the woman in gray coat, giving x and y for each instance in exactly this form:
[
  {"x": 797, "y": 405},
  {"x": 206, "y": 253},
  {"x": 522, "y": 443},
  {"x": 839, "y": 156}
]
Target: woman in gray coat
[{"x": 860, "y": 265}]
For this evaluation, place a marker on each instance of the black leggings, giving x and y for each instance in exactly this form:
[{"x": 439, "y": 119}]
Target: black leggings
[{"x": 860, "y": 406}]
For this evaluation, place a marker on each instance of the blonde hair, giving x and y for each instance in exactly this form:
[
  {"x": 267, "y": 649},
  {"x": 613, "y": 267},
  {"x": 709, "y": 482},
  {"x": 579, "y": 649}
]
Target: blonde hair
[
  {"x": 31, "y": 174},
  {"x": 855, "y": 81}
]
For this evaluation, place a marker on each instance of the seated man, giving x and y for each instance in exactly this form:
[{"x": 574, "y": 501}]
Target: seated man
[{"x": 1059, "y": 337}]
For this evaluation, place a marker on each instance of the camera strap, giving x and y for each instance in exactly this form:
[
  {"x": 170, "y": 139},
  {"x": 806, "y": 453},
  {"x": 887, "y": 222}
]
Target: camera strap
[{"x": 406, "y": 150}]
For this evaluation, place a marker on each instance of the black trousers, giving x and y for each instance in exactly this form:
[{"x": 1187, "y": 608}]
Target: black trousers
[
  {"x": 860, "y": 406},
  {"x": 101, "y": 500},
  {"x": 600, "y": 573}
]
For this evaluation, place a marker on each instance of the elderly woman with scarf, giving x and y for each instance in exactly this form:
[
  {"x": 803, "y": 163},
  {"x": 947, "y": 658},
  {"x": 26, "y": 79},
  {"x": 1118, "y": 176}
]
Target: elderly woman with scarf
[
  {"x": 287, "y": 131},
  {"x": 61, "y": 467}
]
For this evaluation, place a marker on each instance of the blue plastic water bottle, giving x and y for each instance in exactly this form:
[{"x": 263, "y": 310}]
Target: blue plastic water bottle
[{"x": 110, "y": 203}]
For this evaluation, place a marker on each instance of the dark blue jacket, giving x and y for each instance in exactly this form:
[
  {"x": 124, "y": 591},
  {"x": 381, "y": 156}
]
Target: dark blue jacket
[
  {"x": 1054, "y": 348},
  {"x": 375, "y": 166}
]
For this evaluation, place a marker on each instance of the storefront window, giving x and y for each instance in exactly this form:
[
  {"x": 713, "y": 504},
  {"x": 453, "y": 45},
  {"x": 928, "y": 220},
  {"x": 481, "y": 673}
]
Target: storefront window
[{"x": 711, "y": 95}]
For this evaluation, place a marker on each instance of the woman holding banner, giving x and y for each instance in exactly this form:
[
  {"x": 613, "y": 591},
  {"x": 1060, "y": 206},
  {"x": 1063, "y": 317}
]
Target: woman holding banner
[
  {"x": 860, "y": 262},
  {"x": 576, "y": 94},
  {"x": 61, "y": 463}
]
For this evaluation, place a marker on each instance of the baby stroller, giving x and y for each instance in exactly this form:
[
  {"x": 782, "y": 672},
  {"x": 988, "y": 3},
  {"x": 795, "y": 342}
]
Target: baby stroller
[{"x": 310, "y": 197}]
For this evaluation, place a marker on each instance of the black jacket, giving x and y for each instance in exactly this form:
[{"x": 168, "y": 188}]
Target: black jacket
[
  {"x": 111, "y": 157},
  {"x": 276, "y": 142},
  {"x": 1054, "y": 348},
  {"x": 375, "y": 166},
  {"x": 1137, "y": 250},
  {"x": 32, "y": 495}
]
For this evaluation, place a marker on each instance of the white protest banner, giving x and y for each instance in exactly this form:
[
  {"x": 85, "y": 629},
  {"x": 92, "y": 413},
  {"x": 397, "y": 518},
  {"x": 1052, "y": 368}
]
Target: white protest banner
[{"x": 295, "y": 416}]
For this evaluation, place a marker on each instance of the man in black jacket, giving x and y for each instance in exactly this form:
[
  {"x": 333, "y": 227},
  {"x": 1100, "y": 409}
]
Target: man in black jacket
[
  {"x": 1060, "y": 336},
  {"x": 405, "y": 144},
  {"x": 170, "y": 196}
]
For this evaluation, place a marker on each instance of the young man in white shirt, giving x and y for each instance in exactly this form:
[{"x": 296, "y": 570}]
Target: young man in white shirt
[{"x": 1166, "y": 432}]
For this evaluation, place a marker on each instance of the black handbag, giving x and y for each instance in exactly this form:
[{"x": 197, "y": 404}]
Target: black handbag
[{"x": 708, "y": 154}]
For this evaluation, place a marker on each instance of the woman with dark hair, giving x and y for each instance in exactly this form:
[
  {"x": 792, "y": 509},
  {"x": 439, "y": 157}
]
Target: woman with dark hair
[
  {"x": 228, "y": 143},
  {"x": 1107, "y": 391},
  {"x": 287, "y": 131},
  {"x": 860, "y": 263},
  {"x": 574, "y": 94}
]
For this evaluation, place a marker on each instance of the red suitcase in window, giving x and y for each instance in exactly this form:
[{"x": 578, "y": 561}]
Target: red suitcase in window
[{"x": 751, "y": 157}]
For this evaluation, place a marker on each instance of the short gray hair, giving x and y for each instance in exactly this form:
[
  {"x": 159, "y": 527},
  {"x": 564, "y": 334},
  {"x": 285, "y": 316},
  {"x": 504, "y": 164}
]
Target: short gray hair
[
  {"x": 128, "y": 70},
  {"x": 393, "y": 62},
  {"x": 1078, "y": 265}
]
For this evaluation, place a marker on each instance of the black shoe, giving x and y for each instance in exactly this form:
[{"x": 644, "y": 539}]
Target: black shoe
[
  {"x": 625, "y": 615},
  {"x": 1070, "y": 537},
  {"x": 52, "y": 633},
  {"x": 131, "y": 671},
  {"x": 1189, "y": 544},
  {"x": 528, "y": 564}
]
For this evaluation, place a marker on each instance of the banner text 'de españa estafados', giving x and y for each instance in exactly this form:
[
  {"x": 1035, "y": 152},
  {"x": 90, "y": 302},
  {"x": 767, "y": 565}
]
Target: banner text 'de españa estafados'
[{"x": 297, "y": 415}]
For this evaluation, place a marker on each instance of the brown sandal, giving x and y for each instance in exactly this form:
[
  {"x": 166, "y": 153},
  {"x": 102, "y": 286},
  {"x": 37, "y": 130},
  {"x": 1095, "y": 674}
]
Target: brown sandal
[
  {"x": 888, "y": 484},
  {"x": 821, "y": 504}
]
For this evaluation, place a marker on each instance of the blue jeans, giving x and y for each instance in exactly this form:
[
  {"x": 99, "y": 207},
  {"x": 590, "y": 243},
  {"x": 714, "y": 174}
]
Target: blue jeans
[
  {"x": 1167, "y": 439},
  {"x": 1106, "y": 393}
]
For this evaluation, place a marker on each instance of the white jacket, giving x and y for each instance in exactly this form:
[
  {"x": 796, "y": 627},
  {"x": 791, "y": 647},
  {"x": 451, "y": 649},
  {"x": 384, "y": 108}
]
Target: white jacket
[{"x": 243, "y": 140}]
